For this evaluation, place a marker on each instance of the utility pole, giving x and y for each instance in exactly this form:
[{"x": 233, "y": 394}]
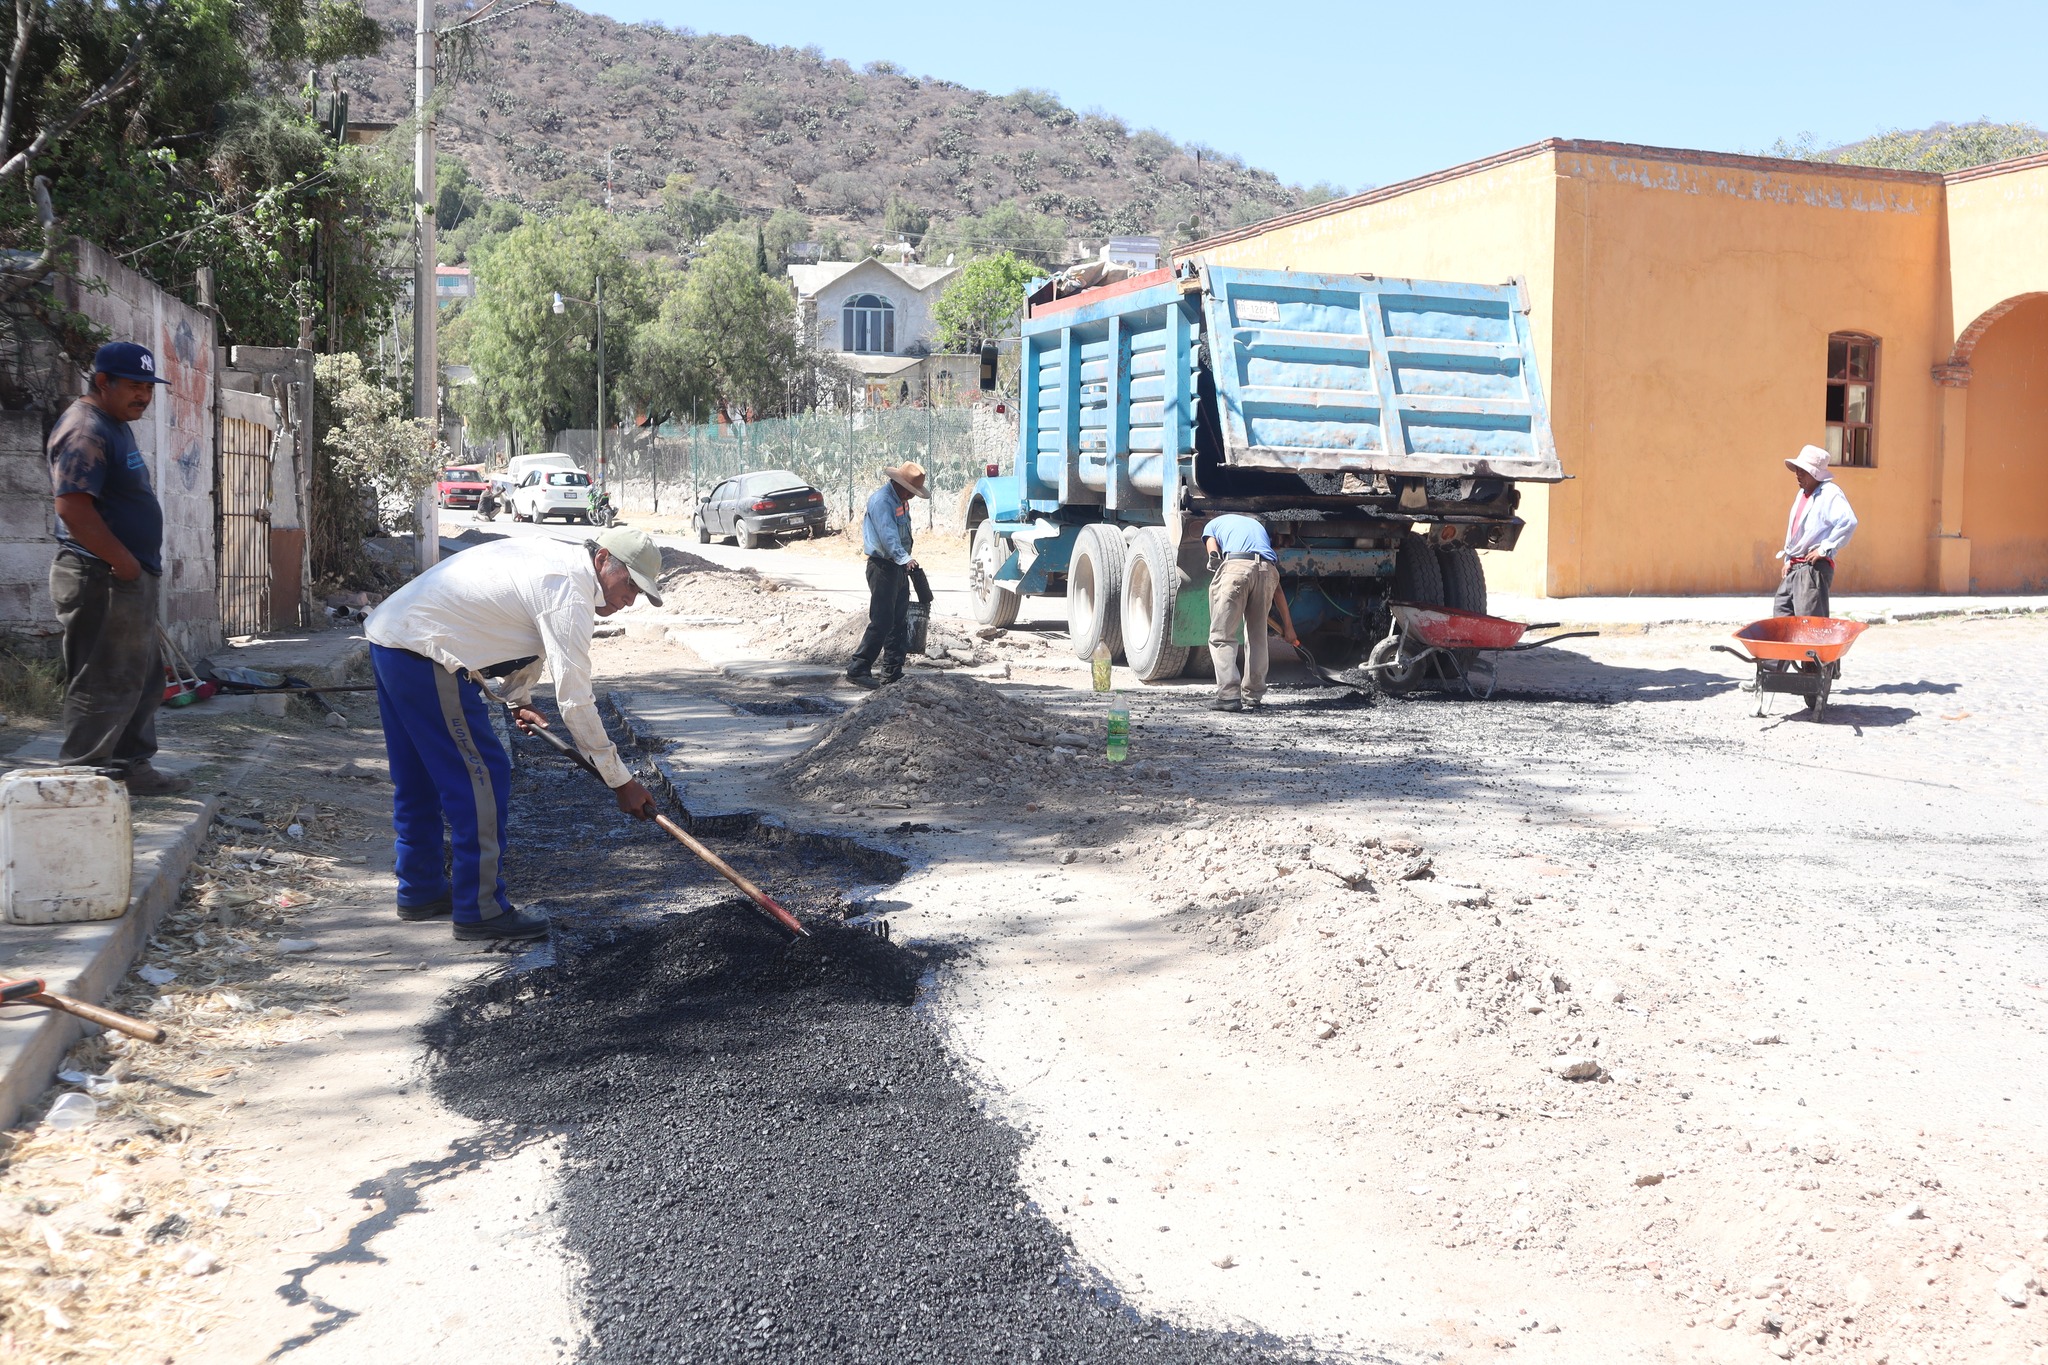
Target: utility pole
[
  {"x": 426, "y": 296},
  {"x": 426, "y": 300},
  {"x": 599, "y": 304}
]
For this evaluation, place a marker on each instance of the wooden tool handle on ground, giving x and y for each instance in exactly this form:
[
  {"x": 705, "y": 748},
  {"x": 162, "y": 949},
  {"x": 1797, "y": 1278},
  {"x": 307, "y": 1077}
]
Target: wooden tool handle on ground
[{"x": 93, "y": 1014}]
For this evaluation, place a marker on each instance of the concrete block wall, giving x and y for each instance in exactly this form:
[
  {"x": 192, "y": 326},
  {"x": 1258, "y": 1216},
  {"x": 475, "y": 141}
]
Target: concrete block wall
[
  {"x": 176, "y": 435},
  {"x": 27, "y": 539}
]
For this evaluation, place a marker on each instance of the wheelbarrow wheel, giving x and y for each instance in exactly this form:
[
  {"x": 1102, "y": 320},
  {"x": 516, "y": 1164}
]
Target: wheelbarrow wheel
[
  {"x": 1818, "y": 702},
  {"x": 1390, "y": 672}
]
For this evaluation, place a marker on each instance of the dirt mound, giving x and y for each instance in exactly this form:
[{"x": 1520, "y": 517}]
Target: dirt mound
[
  {"x": 946, "y": 740},
  {"x": 675, "y": 563}
]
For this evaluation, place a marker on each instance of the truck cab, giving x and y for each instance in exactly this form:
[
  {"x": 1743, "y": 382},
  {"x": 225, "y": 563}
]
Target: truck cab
[{"x": 1378, "y": 427}]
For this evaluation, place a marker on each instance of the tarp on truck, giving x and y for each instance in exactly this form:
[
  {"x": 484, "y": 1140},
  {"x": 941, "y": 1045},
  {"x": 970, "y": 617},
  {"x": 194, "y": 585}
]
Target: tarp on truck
[{"x": 1351, "y": 373}]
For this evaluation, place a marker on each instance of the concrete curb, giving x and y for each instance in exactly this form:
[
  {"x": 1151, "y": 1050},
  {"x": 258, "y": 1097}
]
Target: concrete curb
[{"x": 29, "y": 1056}]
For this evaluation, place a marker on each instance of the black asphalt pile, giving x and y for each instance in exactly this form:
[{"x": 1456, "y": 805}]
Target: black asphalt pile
[
  {"x": 946, "y": 740},
  {"x": 770, "y": 1157}
]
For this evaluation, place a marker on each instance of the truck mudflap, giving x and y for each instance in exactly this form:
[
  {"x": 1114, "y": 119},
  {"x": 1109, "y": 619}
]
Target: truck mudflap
[{"x": 1041, "y": 550}]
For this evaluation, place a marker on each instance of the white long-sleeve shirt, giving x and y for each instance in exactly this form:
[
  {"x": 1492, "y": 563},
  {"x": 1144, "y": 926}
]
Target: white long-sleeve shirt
[
  {"x": 1821, "y": 523},
  {"x": 506, "y": 600}
]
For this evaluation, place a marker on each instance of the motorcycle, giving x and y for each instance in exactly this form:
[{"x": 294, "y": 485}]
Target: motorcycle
[{"x": 601, "y": 511}]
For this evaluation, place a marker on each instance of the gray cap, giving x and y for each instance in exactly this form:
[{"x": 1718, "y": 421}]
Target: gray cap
[{"x": 641, "y": 556}]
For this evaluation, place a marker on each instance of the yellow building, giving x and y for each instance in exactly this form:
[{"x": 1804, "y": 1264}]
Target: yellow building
[{"x": 1699, "y": 317}]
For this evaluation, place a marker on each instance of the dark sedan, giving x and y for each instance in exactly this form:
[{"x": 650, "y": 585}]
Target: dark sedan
[{"x": 754, "y": 509}]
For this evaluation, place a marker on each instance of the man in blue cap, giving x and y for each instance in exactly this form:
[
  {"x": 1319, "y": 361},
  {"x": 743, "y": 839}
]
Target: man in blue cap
[{"x": 110, "y": 536}]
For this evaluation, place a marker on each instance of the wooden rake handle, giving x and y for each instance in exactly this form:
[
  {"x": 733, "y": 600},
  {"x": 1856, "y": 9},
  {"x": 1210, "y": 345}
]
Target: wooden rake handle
[{"x": 767, "y": 904}]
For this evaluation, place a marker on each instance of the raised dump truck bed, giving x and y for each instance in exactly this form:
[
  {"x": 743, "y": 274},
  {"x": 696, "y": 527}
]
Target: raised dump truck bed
[{"x": 1378, "y": 427}]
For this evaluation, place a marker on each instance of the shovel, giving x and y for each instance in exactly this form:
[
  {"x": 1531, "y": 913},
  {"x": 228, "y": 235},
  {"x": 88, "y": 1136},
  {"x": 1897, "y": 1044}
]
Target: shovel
[
  {"x": 1324, "y": 675},
  {"x": 767, "y": 903},
  {"x": 29, "y": 991}
]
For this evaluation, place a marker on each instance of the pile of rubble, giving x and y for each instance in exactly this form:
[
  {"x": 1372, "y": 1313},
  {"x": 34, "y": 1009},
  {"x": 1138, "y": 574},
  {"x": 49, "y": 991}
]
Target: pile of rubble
[{"x": 946, "y": 740}]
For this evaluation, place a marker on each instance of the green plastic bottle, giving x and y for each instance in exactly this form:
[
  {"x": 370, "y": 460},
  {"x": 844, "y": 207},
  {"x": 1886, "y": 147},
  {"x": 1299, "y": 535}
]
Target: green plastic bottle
[
  {"x": 1100, "y": 660},
  {"x": 1119, "y": 728}
]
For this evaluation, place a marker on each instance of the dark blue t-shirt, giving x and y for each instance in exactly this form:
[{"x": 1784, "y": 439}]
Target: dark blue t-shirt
[{"x": 92, "y": 453}]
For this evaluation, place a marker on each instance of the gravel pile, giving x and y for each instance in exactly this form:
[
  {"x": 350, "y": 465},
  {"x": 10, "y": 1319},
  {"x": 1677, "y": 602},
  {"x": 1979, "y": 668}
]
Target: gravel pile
[
  {"x": 935, "y": 740},
  {"x": 770, "y": 1157},
  {"x": 787, "y": 621}
]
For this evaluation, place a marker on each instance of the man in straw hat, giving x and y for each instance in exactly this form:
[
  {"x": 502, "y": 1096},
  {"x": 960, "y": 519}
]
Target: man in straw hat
[
  {"x": 885, "y": 534},
  {"x": 1820, "y": 526},
  {"x": 499, "y": 611}
]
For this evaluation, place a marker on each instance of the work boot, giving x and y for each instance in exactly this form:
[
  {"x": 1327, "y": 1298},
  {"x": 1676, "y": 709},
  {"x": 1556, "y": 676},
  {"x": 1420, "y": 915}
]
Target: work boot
[
  {"x": 512, "y": 926},
  {"x": 862, "y": 679},
  {"x": 143, "y": 779},
  {"x": 1225, "y": 704},
  {"x": 888, "y": 678},
  {"x": 434, "y": 909},
  {"x": 1252, "y": 703}
]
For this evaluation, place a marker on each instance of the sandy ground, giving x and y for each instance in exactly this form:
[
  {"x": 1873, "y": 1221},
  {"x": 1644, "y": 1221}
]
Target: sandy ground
[
  {"x": 1269, "y": 1081},
  {"x": 1286, "y": 1007},
  {"x": 275, "y": 1178}
]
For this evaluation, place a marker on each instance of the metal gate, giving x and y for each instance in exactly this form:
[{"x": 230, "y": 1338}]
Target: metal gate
[{"x": 243, "y": 493}]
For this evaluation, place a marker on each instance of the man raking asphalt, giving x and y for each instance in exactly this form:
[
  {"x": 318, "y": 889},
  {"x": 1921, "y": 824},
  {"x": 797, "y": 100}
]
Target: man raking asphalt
[{"x": 499, "y": 611}]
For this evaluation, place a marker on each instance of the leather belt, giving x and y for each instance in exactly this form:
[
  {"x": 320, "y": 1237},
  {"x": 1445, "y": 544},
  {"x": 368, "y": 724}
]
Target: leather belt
[{"x": 1243, "y": 554}]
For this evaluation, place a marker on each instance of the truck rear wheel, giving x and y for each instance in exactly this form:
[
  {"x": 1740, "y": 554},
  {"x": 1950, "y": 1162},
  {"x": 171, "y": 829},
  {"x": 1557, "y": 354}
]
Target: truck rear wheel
[
  {"x": 993, "y": 606},
  {"x": 1464, "y": 578},
  {"x": 1151, "y": 583},
  {"x": 1095, "y": 582},
  {"x": 1417, "y": 577}
]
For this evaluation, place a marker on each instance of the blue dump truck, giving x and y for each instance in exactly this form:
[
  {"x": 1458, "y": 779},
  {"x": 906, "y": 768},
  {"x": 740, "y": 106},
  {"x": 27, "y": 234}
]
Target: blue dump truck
[{"x": 1378, "y": 426}]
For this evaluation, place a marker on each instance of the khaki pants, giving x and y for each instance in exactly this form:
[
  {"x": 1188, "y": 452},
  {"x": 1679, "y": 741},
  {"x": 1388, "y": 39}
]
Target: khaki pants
[{"x": 1241, "y": 594}]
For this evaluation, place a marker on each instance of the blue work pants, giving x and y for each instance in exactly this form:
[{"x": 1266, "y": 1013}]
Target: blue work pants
[{"x": 447, "y": 767}]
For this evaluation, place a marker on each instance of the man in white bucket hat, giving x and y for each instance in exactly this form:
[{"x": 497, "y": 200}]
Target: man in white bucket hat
[{"x": 1820, "y": 526}]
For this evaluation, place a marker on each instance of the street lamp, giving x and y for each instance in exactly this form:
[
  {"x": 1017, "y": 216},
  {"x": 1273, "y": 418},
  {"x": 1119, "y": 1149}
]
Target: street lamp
[{"x": 561, "y": 306}]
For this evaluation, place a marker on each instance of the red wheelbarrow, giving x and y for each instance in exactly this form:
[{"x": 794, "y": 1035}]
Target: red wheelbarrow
[
  {"x": 1800, "y": 655},
  {"x": 1462, "y": 643}
]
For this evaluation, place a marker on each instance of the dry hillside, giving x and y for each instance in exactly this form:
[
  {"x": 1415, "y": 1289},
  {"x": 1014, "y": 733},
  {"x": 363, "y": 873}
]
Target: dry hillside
[{"x": 556, "y": 89}]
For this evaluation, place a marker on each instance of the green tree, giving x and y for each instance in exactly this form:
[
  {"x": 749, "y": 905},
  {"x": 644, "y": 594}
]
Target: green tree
[
  {"x": 980, "y": 301},
  {"x": 1007, "y": 227},
  {"x": 693, "y": 213},
  {"x": 170, "y": 133},
  {"x": 368, "y": 445},
  {"x": 1944, "y": 147},
  {"x": 726, "y": 339},
  {"x": 536, "y": 369},
  {"x": 901, "y": 218},
  {"x": 785, "y": 228}
]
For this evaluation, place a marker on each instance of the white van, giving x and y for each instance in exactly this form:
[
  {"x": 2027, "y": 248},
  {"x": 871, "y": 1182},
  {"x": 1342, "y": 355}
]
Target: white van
[{"x": 522, "y": 465}]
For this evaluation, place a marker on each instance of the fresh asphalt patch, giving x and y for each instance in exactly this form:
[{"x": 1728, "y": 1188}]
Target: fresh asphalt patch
[{"x": 769, "y": 1153}]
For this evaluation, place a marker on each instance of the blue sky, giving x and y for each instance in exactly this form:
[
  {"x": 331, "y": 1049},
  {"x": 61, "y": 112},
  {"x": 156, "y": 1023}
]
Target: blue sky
[{"x": 1361, "y": 94}]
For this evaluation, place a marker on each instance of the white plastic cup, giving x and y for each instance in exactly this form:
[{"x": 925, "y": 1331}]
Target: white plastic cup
[{"x": 72, "y": 1110}]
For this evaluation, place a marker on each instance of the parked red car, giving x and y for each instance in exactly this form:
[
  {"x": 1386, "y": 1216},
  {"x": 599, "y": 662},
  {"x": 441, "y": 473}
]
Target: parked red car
[{"x": 460, "y": 486}]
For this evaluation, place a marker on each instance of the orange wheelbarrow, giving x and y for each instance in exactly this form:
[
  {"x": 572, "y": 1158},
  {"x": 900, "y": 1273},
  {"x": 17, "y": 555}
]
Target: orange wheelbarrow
[
  {"x": 1798, "y": 655},
  {"x": 1461, "y": 643}
]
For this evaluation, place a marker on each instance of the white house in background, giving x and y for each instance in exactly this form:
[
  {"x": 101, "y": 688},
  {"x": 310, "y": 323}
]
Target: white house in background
[{"x": 872, "y": 315}]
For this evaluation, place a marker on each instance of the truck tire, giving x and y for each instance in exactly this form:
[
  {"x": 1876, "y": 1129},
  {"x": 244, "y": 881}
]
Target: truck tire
[
  {"x": 1095, "y": 583},
  {"x": 993, "y": 606},
  {"x": 1464, "y": 578},
  {"x": 1417, "y": 577},
  {"x": 1151, "y": 583}
]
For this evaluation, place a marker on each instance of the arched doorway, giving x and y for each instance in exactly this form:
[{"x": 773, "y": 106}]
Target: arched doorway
[{"x": 2005, "y": 465}]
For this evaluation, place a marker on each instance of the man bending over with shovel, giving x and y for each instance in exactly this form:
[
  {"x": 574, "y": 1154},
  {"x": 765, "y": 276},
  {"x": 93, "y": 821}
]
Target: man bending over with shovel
[{"x": 498, "y": 611}]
